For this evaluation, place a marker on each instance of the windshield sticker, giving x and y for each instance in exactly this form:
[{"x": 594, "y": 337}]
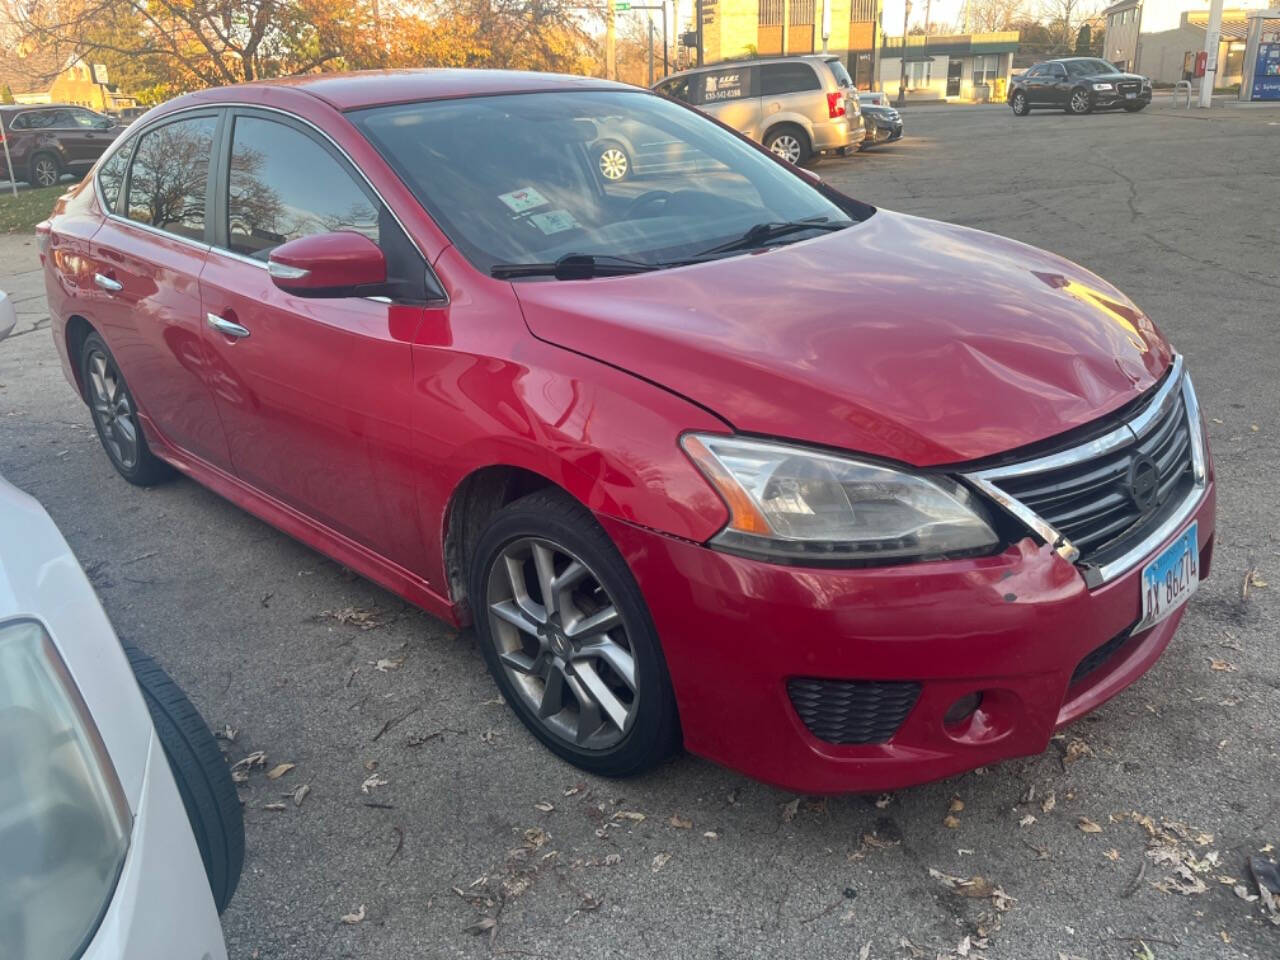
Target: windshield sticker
[
  {"x": 521, "y": 200},
  {"x": 557, "y": 221}
]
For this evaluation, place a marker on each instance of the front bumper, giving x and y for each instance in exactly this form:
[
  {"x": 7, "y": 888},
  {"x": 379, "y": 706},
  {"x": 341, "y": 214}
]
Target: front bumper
[
  {"x": 1015, "y": 626},
  {"x": 1102, "y": 99}
]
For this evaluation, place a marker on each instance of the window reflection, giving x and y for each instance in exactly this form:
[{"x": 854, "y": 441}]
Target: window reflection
[{"x": 169, "y": 177}]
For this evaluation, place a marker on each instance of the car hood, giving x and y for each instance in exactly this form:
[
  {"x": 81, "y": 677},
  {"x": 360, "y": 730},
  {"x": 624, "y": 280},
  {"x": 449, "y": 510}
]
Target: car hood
[
  {"x": 898, "y": 337},
  {"x": 1113, "y": 77}
]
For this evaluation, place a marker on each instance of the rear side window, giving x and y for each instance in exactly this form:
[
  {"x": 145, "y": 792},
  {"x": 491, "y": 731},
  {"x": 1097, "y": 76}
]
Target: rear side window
[
  {"x": 1035, "y": 71},
  {"x": 719, "y": 85},
  {"x": 111, "y": 176},
  {"x": 169, "y": 177},
  {"x": 778, "y": 78},
  {"x": 284, "y": 185},
  {"x": 839, "y": 72}
]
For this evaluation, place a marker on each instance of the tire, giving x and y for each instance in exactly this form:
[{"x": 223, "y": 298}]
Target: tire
[
  {"x": 549, "y": 676},
  {"x": 201, "y": 773},
  {"x": 44, "y": 170},
  {"x": 115, "y": 416},
  {"x": 1134, "y": 107},
  {"x": 1021, "y": 106},
  {"x": 1079, "y": 102},
  {"x": 788, "y": 142},
  {"x": 613, "y": 163}
]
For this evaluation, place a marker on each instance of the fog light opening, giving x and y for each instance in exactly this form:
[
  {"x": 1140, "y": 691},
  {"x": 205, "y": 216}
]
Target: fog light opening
[{"x": 962, "y": 710}]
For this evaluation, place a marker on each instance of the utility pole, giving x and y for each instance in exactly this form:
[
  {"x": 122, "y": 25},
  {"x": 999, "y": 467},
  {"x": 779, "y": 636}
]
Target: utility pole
[
  {"x": 902, "y": 75},
  {"x": 610, "y": 42},
  {"x": 697, "y": 12},
  {"x": 928, "y": 8},
  {"x": 651, "y": 51},
  {"x": 826, "y": 23},
  {"x": 1212, "y": 38}
]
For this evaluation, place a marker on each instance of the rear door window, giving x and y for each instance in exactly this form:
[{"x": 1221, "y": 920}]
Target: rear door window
[
  {"x": 284, "y": 185},
  {"x": 169, "y": 177},
  {"x": 838, "y": 70},
  {"x": 780, "y": 78}
]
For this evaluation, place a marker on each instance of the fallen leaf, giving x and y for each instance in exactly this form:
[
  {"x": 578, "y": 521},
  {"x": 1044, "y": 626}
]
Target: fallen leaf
[
  {"x": 1048, "y": 803},
  {"x": 865, "y": 952},
  {"x": 228, "y": 733},
  {"x": 1087, "y": 826},
  {"x": 789, "y": 810},
  {"x": 301, "y": 794},
  {"x": 544, "y": 806},
  {"x": 372, "y": 782},
  {"x": 570, "y": 791},
  {"x": 660, "y": 861},
  {"x": 353, "y": 918},
  {"x": 1221, "y": 665},
  {"x": 483, "y": 925},
  {"x": 613, "y": 859},
  {"x": 964, "y": 946},
  {"x": 273, "y": 806},
  {"x": 1076, "y": 749},
  {"x": 883, "y": 801},
  {"x": 633, "y": 815},
  {"x": 388, "y": 663},
  {"x": 1113, "y": 854},
  {"x": 357, "y": 617},
  {"x": 956, "y": 805},
  {"x": 256, "y": 759},
  {"x": 680, "y": 823},
  {"x": 1027, "y": 821},
  {"x": 711, "y": 835},
  {"x": 950, "y": 822},
  {"x": 279, "y": 770}
]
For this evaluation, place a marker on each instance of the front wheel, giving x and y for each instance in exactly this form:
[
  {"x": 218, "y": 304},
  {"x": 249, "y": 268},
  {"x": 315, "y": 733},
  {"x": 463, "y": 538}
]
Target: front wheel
[
  {"x": 789, "y": 143},
  {"x": 200, "y": 772},
  {"x": 613, "y": 162},
  {"x": 1079, "y": 102},
  {"x": 1020, "y": 105},
  {"x": 565, "y": 631}
]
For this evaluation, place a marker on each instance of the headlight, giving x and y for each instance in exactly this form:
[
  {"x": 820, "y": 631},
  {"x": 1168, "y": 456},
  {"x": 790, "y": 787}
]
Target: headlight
[
  {"x": 64, "y": 821},
  {"x": 1102, "y": 86},
  {"x": 789, "y": 503}
]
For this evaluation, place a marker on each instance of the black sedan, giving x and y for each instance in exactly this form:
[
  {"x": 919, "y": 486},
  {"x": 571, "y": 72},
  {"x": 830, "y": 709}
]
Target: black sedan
[
  {"x": 883, "y": 122},
  {"x": 1078, "y": 85}
]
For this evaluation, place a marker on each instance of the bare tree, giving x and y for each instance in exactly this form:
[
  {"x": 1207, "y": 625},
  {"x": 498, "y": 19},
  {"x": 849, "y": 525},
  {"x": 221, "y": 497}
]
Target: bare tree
[
  {"x": 992, "y": 16},
  {"x": 1063, "y": 19}
]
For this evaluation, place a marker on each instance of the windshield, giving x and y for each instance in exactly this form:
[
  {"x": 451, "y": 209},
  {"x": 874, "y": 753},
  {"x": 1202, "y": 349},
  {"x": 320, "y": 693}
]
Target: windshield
[
  {"x": 841, "y": 74},
  {"x": 1089, "y": 68},
  {"x": 529, "y": 178}
]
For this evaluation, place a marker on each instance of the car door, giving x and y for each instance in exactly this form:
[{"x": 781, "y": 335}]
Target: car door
[
  {"x": 315, "y": 394},
  {"x": 94, "y": 134},
  {"x": 70, "y": 136},
  {"x": 731, "y": 96},
  {"x": 792, "y": 88},
  {"x": 147, "y": 257},
  {"x": 1058, "y": 87},
  {"x": 1034, "y": 82}
]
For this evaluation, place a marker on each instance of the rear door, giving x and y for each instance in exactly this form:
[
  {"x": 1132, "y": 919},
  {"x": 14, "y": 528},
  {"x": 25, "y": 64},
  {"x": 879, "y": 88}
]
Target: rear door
[
  {"x": 732, "y": 96},
  {"x": 147, "y": 259},
  {"x": 794, "y": 88},
  {"x": 316, "y": 394},
  {"x": 94, "y": 134},
  {"x": 73, "y": 138}
]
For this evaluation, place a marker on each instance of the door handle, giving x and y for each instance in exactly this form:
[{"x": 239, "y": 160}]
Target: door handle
[
  {"x": 107, "y": 284},
  {"x": 229, "y": 327}
]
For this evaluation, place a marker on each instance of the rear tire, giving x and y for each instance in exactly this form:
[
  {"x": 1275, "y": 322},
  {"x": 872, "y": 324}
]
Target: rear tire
[
  {"x": 570, "y": 682},
  {"x": 201, "y": 773},
  {"x": 788, "y": 142},
  {"x": 115, "y": 416},
  {"x": 1019, "y": 103},
  {"x": 44, "y": 170}
]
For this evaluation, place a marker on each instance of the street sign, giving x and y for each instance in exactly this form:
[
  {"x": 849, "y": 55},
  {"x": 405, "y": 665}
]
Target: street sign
[{"x": 623, "y": 5}]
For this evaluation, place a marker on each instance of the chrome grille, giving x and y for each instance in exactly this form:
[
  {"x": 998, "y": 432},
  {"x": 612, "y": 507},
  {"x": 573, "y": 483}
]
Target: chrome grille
[{"x": 1084, "y": 501}]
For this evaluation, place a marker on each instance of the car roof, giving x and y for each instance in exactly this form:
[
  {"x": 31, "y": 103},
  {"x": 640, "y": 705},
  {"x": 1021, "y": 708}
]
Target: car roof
[
  {"x": 756, "y": 61},
  {"x": 369, "y": 88}
]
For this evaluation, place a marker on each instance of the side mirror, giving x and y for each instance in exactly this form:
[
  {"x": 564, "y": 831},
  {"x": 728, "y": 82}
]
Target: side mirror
[
  {"x": 809, "y": 175},
  {"x": 339, "y": 264},
  {"x": 106, "y": 123}
]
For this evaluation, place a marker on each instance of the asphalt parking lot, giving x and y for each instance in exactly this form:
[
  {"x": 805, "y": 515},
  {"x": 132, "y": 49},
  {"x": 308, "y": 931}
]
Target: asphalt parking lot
[{"x": 429, "y": 807}]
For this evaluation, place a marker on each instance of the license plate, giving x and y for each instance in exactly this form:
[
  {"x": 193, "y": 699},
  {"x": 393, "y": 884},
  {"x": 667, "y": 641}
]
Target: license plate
[
  {"x": 1170, "y": 578},
  {"x": 1130, "y": 96}
]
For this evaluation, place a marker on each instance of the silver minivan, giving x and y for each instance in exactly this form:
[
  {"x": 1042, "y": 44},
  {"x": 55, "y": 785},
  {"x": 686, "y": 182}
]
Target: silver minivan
[{"x": 798, "y": 107}]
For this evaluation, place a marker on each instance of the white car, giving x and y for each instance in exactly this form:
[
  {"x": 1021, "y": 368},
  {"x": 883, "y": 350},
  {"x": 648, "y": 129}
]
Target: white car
[
  {"x": 121, "y": 835},
  {"x": 8, "y": 316}
]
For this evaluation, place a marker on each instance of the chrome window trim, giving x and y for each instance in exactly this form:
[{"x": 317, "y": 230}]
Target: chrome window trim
[
  {"x": 1177, "y": 386},
  {"x": 234, "y": 104}
]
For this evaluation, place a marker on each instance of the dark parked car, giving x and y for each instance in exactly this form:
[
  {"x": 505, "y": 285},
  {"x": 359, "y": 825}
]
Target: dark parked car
[
  {"x": 1078, "y": 85},
  {"x": 46, "y": 142},
  {"x": 883, "y": 122}
]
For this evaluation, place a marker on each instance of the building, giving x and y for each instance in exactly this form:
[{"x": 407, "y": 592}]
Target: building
[
  {"x": 1160, "y": 38},
  {"x": 32, "y": 75},
  {"x": 968, "y": 66},
  {"x": 739, "y": 29}
]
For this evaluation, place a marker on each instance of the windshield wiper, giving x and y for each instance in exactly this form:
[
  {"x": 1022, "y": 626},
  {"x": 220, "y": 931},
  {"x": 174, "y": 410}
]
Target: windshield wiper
[
  {"x": 762, "y": 233},
  {"x": 574, "y": 266}
]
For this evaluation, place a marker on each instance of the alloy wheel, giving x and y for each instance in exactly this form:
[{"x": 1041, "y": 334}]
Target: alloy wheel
[
  {"x": 563, "y": 643},
  {"x": 113, "y": 410},
  {"x": 613, "y": 164},
  {"x": 1079, "y": 102},
  {"x": 787, "y": 147},
  {"x": 1019, "y": 103},
  {"x": 45, "y": 172}
]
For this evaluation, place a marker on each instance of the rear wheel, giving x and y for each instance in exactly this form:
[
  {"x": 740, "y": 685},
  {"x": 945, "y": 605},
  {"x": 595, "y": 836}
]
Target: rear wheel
[
  {"x": 115, "y": 416},
  {"x": 567, "y": 636},
  {"x": 1079, "y": 102},
  {"x": 1019, "y": 104},
  {"x": 201, "y": 773},
  {"x": 45, "y": 170},
  {"x": 789, "y": 143}
]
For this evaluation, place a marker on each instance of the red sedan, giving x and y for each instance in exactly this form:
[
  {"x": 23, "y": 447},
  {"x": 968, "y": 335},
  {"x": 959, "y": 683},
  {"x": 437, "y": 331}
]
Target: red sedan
[{"x": 715, "y": 455}]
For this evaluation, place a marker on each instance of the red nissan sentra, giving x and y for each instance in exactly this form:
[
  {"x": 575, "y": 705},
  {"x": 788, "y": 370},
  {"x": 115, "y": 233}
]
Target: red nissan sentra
[{"x": 710, "y": 454}]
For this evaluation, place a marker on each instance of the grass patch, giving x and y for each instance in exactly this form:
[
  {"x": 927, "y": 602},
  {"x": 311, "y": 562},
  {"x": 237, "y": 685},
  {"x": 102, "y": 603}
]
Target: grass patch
[{"x": 20, "y": 214}]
